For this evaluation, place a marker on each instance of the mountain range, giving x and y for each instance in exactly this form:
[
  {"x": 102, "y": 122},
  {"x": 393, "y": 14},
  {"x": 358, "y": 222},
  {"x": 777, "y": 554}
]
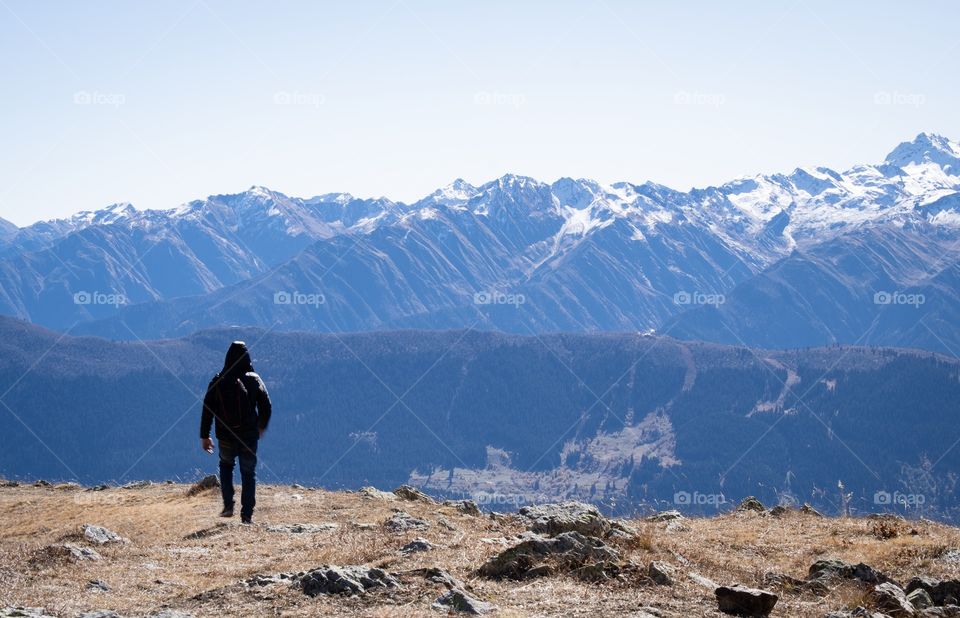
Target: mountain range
[
  {"x": 809, "y": 258},
  {"x": 629, "y": 421}
]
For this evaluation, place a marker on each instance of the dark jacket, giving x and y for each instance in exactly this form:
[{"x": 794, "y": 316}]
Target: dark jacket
[{"x": 236, "y": 366}]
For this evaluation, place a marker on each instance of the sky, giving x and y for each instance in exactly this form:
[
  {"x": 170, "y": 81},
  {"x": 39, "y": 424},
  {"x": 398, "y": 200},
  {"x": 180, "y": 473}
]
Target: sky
[{"x": 161, "y": 103}]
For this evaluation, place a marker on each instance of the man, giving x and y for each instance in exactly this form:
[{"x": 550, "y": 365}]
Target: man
[{"x": 238, "y": 400}]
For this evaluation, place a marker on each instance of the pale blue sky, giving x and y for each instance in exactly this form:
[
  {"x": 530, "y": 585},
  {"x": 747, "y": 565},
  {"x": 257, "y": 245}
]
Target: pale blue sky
[{"x": 163, "y": 102}]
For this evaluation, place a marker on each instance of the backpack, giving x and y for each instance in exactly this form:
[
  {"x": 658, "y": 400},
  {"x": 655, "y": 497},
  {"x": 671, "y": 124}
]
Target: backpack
[{"x": 235, "y": 409}]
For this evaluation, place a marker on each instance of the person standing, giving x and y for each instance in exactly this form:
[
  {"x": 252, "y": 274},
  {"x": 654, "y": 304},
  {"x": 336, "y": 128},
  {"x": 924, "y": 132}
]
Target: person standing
[{"x": 238, "y": 401}]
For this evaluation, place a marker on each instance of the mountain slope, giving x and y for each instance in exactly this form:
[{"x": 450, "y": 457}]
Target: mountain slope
[{"x": 621, "y": 419}]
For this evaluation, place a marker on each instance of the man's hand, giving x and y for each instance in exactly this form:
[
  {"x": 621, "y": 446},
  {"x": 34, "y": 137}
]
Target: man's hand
[{"x": 207, "y": 445}]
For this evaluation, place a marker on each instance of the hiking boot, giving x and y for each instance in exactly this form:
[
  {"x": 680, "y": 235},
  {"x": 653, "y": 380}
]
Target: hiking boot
[
  {"x": 227, "y": 511},
  {"x": 246, "y": 519}
]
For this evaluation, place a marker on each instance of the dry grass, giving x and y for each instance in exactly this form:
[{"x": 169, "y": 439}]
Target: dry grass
[{"x": 160, "y": 568}]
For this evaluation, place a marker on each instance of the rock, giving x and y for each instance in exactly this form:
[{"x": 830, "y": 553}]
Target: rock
[
  {"x": 554, "y": 519},
  {"x": 596, "y": 572},
  {"x": 266, "y": 580},
  {"x": 303, "y": 528},
  {"x": 443, "y": 523},
  {"x": 742, "y": 601},
  {"x": 572, "y": 549},
  {"x": 99, "y": 613},
  {"x": 417, "y": 545},
  {"x": 24, "y": 612},
  {"x": 42, "y": 483},
  {"x": 779, "y": 511},
  {"x": 459, "y": 600},
  {"x": 859, "y": 612},
  {"x": 825, "y": 569},
  {"x": 706, "y": 582},
  {"x": 947, "y": 611},
  {"x": 73, "y": 552},
  {"x": 750, "y": 503},
  {"x": 787, "y": 583},
  {"x": 211, "y": 481},
  {"x": 345, "y": 580},
  {"x": 621, "y": 529},
  {"x": 406, "y": 492},
  {"x": 376, "y": 494},
  {"x": 7, "y": 483},
  {"x": 677, "y": 525},
  {"x": 892, "y": 600},
  {"x": 945, "y": 592},
  {"x": 806, "y": 509},
  {"x": 437, "y": 575},
  {"x": 98, "y": 585},
  {"x": 170, "y": 613},
  {"x": 136, "y": 485},
  {"x": 100, "y": 487},
  {"x": 665, "y": 516},
  {"x": 660, "y": 573},
  {"x": 920, "y": 598},
  {"x": 100, "y": 535},
  {"x": 467, "y": 507},
  {"x": 403, "y": 522}
]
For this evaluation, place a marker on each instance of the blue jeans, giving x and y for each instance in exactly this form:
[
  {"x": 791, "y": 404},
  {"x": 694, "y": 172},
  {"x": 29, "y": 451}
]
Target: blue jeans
[{"x": 246, "y": 450}]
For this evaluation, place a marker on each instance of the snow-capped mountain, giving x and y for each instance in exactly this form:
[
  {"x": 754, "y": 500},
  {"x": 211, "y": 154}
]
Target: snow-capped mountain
[{"x": 571, "y": 255}]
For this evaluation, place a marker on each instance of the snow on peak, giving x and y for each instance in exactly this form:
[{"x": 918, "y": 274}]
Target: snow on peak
[
  {"x": 926, "y": 148},
  {"x": 457, "y": 192}
]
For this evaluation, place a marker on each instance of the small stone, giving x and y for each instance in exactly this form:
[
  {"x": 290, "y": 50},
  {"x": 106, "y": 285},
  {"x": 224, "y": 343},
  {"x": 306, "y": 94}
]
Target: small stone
[
  {"x": 99, "y": 613},
  {"x": 806, "y": 509},
  {"x": 742, "y": 601},
  {"x": 402, "y": 522},
  {"x": 467, "y": 507},
  {"x": 98, "y": 585},
  {"x": 376, "y": 494},
  {"x": 459, "y": 600},
  {"x": 698, "y": 579},
  {"x": 417, "y": 545},
  {"x": 100, "y": 535},
  {"x": 211, "y": 481},
  {"x": 665, "y": 516},
  {"x": 406, "y": 492},
  {"x": 660, "y": 573},
  {"x": 303, "y": 528},
  {"x": 73, "y": 552},
  {"x": 24, "y": 612},
  {"x": 750, "y": 503}
]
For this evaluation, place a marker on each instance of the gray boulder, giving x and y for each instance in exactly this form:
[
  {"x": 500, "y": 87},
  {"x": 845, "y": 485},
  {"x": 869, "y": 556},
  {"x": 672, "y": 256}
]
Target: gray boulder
[
  {"x": 404, "y": 522},
  {"x": 660, "y": 573},
  {"x": 406, "y": 492},
  {"x": 24, "y": 612},
  {"x": 892, "y": 600},
  {"x": 302, "y": 528},
  {"x": 920, "y": 599},
  {"x": 459, "y": 600},
  {"x": 467, "y": 507},
  {"x": 742, "y": 601},
  {"x": 373, "y": 493},
  {"x": 100, "y": 535},
  {"x": 750, "y": 503},
  {"x": 570, "y": 550},
  {"x": 827, "y": 569},
  {"x": 74, "y": 553},
  {"x": 348, "y": 580},
  {"x": 665, "y": 516},
  {"x": 554, "y": 519},
  {"x": 417, "y": 545},
  {"x": 99, "y": 613}
]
